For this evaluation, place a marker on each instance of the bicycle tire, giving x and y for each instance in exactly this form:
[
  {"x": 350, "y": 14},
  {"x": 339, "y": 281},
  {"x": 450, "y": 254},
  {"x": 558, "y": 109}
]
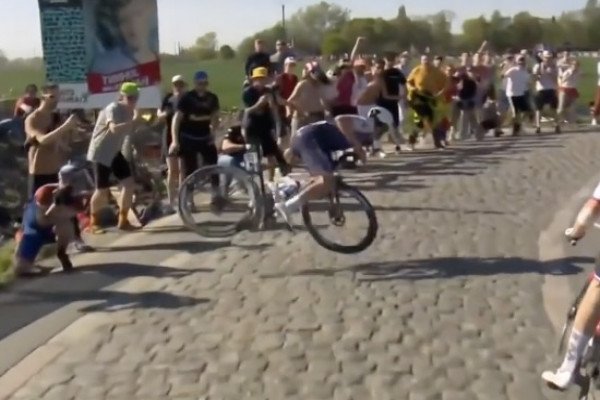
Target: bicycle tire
[
  {"x": 203, "y": 174},
  {"x": 366, "y": 206}
]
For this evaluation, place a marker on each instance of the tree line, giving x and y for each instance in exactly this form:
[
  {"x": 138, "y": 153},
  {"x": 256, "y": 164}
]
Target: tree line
[{"x": 328, "y": 29}]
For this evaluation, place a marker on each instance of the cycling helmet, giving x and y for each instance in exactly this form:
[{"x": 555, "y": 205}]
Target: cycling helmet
[{"x": 381, "y": 117}]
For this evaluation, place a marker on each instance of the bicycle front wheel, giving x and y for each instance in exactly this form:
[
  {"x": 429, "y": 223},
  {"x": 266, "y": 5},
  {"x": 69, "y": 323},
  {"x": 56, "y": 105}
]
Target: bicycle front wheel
[
  {"x": 346, "y": 213},
  {"x": 219, "y": 201}
]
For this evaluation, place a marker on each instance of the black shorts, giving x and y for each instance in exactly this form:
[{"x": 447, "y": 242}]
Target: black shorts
[
  {"x": 36, "y": 181},
  {"x": 343, "y": 110},
  {"x": 547, "y": 97},
  {"x": 466, "y": 104},
  {"x": 520, "y": 104},
  {"x": 423, "y": 107},
  {"x": 119, "y": 168},
  {"x": 189, "y": 150},
  {"x": 392, "y": 107},
  {"x": 265, "y": 140}
]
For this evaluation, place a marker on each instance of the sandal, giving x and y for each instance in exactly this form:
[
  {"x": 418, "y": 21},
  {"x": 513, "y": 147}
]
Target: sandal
[{"x": 33, "y": 272}]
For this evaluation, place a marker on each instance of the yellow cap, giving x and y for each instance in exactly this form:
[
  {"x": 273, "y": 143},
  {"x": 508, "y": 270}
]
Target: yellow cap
[{"x": 260, "y": 72}]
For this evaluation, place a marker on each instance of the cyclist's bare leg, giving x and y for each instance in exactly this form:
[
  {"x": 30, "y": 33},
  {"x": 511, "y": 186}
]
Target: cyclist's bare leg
[
  {"x": 586, "y": 320},
  {"x": 317, "y": 188}
]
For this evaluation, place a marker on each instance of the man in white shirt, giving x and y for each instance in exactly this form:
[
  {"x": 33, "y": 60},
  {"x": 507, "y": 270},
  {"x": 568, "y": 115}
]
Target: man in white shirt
[
  {"x": 517, "y": 89},
  {"x": 545, "y": 74}
]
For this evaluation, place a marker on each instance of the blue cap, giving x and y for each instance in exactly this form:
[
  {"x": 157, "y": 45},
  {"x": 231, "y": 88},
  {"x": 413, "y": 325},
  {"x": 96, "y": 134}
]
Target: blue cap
[{"x": 201, "y": 76}]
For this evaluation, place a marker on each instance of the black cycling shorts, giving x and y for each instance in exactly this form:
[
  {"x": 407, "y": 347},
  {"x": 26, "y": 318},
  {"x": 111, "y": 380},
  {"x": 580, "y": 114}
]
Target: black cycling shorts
[
  {"x": 547, "y": 97},
  {"x": 119, "y": 168}
]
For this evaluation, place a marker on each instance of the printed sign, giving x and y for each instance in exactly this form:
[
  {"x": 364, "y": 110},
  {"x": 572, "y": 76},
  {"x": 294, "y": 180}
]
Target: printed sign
[{"x": 92, "y": 46}]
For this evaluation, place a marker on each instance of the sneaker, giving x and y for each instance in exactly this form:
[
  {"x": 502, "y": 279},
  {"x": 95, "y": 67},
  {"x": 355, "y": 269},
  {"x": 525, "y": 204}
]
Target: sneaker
[
  {"x": 96, "y": 230},
  {"x": 168, "y": 210},
  {"x": 126, "y": 226},
  {"x": 380, "y": 154},
  {"x": 285, "y": 214},
  {"x": 82, "y": 246},
  {"x": 538, "y": 130},
  {"x": 557, "y": 129},
  {"x": 560, "y": 380},
  {"x": 594, "y": 122},
  {"x": 398, "y": 149},
  {"x": 498, "y": 133}
]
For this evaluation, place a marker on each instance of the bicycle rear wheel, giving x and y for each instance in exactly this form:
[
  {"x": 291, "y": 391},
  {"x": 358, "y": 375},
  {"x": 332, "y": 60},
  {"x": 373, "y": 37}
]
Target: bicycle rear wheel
[
  {"x": 331, "y": 213},
  {"x": 219, "y": 201}
]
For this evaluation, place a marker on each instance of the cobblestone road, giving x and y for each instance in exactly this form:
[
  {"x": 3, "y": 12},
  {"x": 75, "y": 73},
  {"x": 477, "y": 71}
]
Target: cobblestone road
[{"x": 446, "y": 304}]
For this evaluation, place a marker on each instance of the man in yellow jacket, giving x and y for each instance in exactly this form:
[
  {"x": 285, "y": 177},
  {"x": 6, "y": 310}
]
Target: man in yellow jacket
[{"x": 425, "y": 84}]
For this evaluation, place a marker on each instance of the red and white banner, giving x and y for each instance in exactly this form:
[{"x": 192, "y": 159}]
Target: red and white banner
[{"x": 144, "y": 75}]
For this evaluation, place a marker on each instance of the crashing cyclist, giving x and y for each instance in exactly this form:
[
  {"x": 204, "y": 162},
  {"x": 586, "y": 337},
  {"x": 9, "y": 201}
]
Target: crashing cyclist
[
  {"x": 588, "y": 312},
  {"x": 314, "y": 145}
]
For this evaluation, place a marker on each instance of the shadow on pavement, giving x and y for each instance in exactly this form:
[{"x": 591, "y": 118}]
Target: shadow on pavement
[
  {"x": 448, "y": 268},
  {"x": 30, "y": 302},
  {"x": 464, "y": 158},
  {"x": 191, "y": 247}
]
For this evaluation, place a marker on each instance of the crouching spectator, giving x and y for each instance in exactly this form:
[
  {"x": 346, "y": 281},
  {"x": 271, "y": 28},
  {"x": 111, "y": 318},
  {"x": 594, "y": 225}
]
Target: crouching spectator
[
  {"x": 48, "y": 218},
  {"x": 233, "y": 147}
]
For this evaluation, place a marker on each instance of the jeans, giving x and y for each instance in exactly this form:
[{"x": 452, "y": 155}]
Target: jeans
[{"x": 226, "y": 160}]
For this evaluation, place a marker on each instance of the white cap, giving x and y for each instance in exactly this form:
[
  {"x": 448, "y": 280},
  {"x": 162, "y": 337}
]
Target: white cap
[
  {"x": 177, "y": 78},
  {"x": 524, "y": 52},
  {"x": 290, "y": 60},
  {"x": 546, "y": 53}
]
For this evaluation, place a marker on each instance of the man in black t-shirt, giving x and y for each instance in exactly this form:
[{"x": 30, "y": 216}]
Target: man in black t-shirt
[
  {"x": 166, "y": 113},
  {"x": 260, "y": 58},
  {"x": 196, "y": 117},
  {"x": 393, "y": 81}
]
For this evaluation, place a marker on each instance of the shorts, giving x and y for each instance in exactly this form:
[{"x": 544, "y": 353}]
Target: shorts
[
  {"x": 119, "y": 168},
  {"x": 36, "y": 181},
  {"x": 520, "y": 104},
  {"x": 314, "y": 145},
  {"x": 34, "y": 236},
  {"x": 265, "y": 140},
  {"x": 423, "y": 107},
  {"x": 189, "y": 150},
  {"x": 466, "y": 104},
  {"x": 392, "y": 107},
  {"x": 343, "y": 110},
  {"x": 544, "y": 98}
]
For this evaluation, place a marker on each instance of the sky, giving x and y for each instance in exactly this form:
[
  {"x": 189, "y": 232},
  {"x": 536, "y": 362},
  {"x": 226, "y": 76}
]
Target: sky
[{"x": 184, "y": 20}]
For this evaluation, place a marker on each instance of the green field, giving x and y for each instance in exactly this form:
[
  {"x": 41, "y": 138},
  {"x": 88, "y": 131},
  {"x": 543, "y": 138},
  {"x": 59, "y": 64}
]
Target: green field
[{"x": 225, "y": 78}]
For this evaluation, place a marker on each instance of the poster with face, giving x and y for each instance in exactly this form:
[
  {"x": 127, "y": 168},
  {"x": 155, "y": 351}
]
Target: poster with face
[
  {"x": 122, "y": 43},
  {"x": 92, "y": 46}
]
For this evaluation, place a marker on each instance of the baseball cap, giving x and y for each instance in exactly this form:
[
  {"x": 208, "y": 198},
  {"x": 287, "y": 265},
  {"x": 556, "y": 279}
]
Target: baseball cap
[
  {"x": 260, "y": 72},
  {"x": 546, "y": 53},
  {"x": 201, "y": 76},
  {"x": 45, "y": 195},
  {"x": 67, "y": 173},
  {"x": 177, "y": 78},
  {"x": 130, "y": 89},
  {"x": 290, "y": 60}
]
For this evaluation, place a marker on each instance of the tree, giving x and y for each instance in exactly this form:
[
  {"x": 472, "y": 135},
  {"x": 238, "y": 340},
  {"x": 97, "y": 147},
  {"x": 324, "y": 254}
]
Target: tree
[
  {"x": 526, "y": 30},
  {"x": 205, "y": 47},
  {"x": 441, "y": 31},
  {"x": 226, "y": 52},
  {"x": 475, "y": 31},
  {"x": 335, "y": 44},
  {"x": 309, "y": 25}
]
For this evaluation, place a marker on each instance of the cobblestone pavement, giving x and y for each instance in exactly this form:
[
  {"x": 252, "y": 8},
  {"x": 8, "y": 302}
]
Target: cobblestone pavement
[{"x": 445, "y": 305}]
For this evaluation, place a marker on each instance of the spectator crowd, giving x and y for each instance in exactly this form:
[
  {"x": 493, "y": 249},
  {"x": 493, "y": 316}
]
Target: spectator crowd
[{"x": 446, "y": 99}]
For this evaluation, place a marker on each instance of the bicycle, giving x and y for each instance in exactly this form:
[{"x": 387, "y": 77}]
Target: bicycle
[
  {"x": 590, "y": 362},
  {"x": 258, "y": 211}
]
